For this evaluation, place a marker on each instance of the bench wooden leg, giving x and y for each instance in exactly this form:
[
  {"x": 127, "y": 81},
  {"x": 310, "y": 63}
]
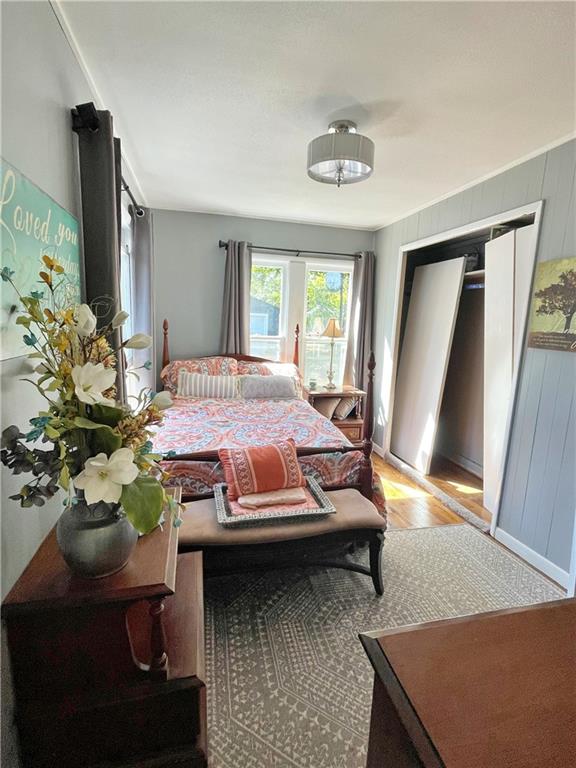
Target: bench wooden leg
[{"x": 376, "y": 544}]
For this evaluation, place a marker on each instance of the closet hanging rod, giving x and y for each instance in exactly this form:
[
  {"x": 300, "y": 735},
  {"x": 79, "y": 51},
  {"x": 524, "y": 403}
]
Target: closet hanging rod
[{"x": 297, "y": 252}]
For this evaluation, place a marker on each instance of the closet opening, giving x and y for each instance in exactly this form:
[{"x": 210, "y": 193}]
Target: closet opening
[{"x": 464, "y": 301}]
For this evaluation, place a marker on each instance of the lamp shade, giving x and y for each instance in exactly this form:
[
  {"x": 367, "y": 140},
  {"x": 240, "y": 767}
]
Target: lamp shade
[
  {"x": 341, "y": 156},
  {"x": 333, "y": 330}
]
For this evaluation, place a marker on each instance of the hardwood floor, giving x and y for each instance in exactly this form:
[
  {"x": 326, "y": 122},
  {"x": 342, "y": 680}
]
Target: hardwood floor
[
  {"x": 461, "y": 485},
  {"x": 409, "y": 505}
]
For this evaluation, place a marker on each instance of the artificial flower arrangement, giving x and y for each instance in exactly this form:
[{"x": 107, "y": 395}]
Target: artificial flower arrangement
[{"x": 99, "y": 447}]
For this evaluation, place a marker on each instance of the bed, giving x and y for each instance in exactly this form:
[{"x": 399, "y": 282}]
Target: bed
[{"x": 194, "y": 429}]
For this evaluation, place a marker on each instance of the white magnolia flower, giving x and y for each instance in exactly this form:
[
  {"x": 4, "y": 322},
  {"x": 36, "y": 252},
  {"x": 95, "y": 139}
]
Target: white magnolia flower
[
  {"x": 119, "y": 319},
  {"x": 139, "y": 341},
  {"x": 85, "y": 320},
  {"x": 102, "y": 478},
  {"x": 162, "y": 400},
  {"x": 91, "y": 380}
]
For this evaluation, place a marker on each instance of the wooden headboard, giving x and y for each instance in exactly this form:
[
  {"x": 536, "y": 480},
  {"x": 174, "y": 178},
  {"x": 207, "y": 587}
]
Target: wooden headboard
[{"x": 249, "y": 358}]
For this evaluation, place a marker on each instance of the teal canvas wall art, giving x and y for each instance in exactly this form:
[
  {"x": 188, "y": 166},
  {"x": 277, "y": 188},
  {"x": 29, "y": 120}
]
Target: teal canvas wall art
[{"x": 32, "y": 224}]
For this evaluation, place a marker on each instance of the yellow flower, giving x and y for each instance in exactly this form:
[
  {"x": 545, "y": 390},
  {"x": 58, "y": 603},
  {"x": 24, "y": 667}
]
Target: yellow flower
[
  {"x": 52, "y": 265},
  {"x": 67, "y": 316},
  {"x": 61, "y": 342}
]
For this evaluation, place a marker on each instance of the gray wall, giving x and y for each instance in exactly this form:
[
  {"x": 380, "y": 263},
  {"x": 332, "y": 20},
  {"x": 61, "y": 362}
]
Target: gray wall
[
  {"x": 41, "y": 80},
  {"x": 189, "y": 268},
  {"x": 539, "y": 496}
]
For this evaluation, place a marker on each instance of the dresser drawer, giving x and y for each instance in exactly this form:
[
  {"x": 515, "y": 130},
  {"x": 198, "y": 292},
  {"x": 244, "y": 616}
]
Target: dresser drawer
[{"x": 352, "y": 428}]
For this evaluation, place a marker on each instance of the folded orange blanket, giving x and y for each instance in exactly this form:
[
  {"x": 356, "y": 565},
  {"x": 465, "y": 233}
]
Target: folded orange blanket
[{"x": 271, "y": 498}]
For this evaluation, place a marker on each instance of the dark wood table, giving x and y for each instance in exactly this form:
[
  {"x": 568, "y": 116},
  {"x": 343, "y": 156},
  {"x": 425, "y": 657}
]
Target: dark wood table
[
  {"x": 493, "y": 690},
  {"x": 353, "y": 425},
  {"x": 109, "y": 671}
]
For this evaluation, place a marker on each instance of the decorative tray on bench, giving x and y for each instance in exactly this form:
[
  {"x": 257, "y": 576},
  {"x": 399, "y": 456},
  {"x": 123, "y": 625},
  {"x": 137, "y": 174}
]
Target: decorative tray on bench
[{"x": 272, "y": 514}]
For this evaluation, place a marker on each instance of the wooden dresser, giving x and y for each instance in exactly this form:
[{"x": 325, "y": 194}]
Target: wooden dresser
[
  {"x": 494, "y": 690},
  {"x": 109, "y": 671}
]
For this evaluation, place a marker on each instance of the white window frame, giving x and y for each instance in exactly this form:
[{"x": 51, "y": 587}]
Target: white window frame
[{"x": 294, "y": 299}]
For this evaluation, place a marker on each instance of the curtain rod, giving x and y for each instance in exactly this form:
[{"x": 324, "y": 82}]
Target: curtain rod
[
  {"x": 138, "y": 210},
  {"x": 297, "y": 252}
]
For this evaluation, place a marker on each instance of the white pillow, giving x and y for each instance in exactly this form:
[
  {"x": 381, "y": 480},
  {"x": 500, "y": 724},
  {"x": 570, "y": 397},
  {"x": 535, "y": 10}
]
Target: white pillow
[
  {"x": 267, "y": 387},
  {"x": 204, "y": 385}
]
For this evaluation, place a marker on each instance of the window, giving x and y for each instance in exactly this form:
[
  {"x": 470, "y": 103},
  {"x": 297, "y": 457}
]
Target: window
[
  {"x": 304, "y": 292},
  {"x": 267, "y": 335},
  {"x": 327, "y": 297},
  {"x": 127, "y": 296}
]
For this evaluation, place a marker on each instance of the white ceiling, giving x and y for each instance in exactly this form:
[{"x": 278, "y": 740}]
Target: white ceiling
[{"x": 216, "y": 102}]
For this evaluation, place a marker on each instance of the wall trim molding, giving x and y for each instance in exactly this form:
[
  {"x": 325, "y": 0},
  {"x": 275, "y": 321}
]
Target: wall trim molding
[
  {"x": 474, "y": 467},
  {"x": 536, "y": 560},
  {"x": 524, "y": 159},
  {"x": 66, "y": 28}
]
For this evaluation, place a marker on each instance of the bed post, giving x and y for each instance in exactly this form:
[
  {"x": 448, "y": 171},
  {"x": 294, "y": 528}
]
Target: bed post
[
  {"x": 165, "y": 350},
  {"x": 296, "y": 357},
  {"x": 366, "y": 472}
]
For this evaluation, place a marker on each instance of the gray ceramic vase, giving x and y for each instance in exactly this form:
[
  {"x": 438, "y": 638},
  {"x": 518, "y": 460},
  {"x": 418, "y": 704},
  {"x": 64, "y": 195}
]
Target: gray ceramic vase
[{"x": 96, "y": 540}]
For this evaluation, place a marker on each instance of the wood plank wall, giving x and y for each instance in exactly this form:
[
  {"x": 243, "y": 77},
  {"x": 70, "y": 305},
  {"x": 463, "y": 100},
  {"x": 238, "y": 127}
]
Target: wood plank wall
[{"x": 539, "y": 495}]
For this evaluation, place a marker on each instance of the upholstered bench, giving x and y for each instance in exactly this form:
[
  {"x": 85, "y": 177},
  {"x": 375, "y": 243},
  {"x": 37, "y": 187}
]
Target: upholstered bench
[{"x": 290, "y": 544}]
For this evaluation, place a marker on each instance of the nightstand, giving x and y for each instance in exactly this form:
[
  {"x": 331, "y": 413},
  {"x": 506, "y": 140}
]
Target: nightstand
[{"x": 353, "y": 425}]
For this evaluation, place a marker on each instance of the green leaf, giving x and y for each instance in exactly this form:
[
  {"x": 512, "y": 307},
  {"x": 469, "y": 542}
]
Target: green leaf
[
  {"x": 142, "y": 501},
  {"x": 107, "y": 414},
  {"x": 64, "y": 479},
  {"x": 80, "y": 421},
  {"x": 50, "y": 432},
  {"x": 104, "y": 439}
]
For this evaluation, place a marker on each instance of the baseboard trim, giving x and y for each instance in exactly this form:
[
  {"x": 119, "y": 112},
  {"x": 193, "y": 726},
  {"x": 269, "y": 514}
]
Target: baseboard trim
[
  {"x": 447, "y": 500},
  {"x": 470, "y": 466},
  {"x": 378, "y": 450},
  {"x": 536, "y": 560}
]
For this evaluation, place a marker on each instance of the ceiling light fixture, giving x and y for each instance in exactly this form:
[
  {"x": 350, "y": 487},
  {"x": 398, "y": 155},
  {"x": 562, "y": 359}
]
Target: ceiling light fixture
[{"x": 341, "y": 156}]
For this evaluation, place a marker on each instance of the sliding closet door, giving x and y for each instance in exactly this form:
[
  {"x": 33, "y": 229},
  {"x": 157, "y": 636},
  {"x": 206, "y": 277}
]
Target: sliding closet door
[
  {"x": 509, "y": 265},
  {"x": 524, "y": 249},
  {"x": 424, "y": 360},
  {"x": 498, "y": 357}
]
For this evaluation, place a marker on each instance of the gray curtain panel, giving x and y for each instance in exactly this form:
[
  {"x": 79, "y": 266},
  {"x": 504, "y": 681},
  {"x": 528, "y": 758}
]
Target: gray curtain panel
[
  {"x": 235, "y": 337},
  {"x": 142, "y": 301},
  {"x": 100, "y": 163},
  {"x": 361, "y": 321}
]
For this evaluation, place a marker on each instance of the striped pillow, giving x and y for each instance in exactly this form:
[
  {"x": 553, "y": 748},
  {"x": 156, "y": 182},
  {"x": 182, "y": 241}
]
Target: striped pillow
[
  {"x": 203, "y": 385},
  {"x": 260, "y": 469}
]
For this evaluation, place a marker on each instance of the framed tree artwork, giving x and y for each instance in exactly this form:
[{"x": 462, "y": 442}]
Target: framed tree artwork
[{"x": 553, "y": 310}]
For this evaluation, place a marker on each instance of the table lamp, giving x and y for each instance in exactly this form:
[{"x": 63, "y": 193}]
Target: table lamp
[{"x": 332, "y": 331}]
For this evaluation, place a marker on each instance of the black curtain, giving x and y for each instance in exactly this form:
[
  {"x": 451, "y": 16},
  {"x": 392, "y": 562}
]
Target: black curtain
[{"x": 100, "y": 187}]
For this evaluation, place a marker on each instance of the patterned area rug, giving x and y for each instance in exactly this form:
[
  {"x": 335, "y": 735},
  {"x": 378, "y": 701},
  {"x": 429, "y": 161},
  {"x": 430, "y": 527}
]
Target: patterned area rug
[{"x": 289, "y": 685}]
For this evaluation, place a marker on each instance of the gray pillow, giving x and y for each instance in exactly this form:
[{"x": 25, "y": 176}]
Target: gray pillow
[
  {"x": 267, "y": 387},
  {"x": 326, "y": 405},
  {"x": 344, "y": 407}
]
